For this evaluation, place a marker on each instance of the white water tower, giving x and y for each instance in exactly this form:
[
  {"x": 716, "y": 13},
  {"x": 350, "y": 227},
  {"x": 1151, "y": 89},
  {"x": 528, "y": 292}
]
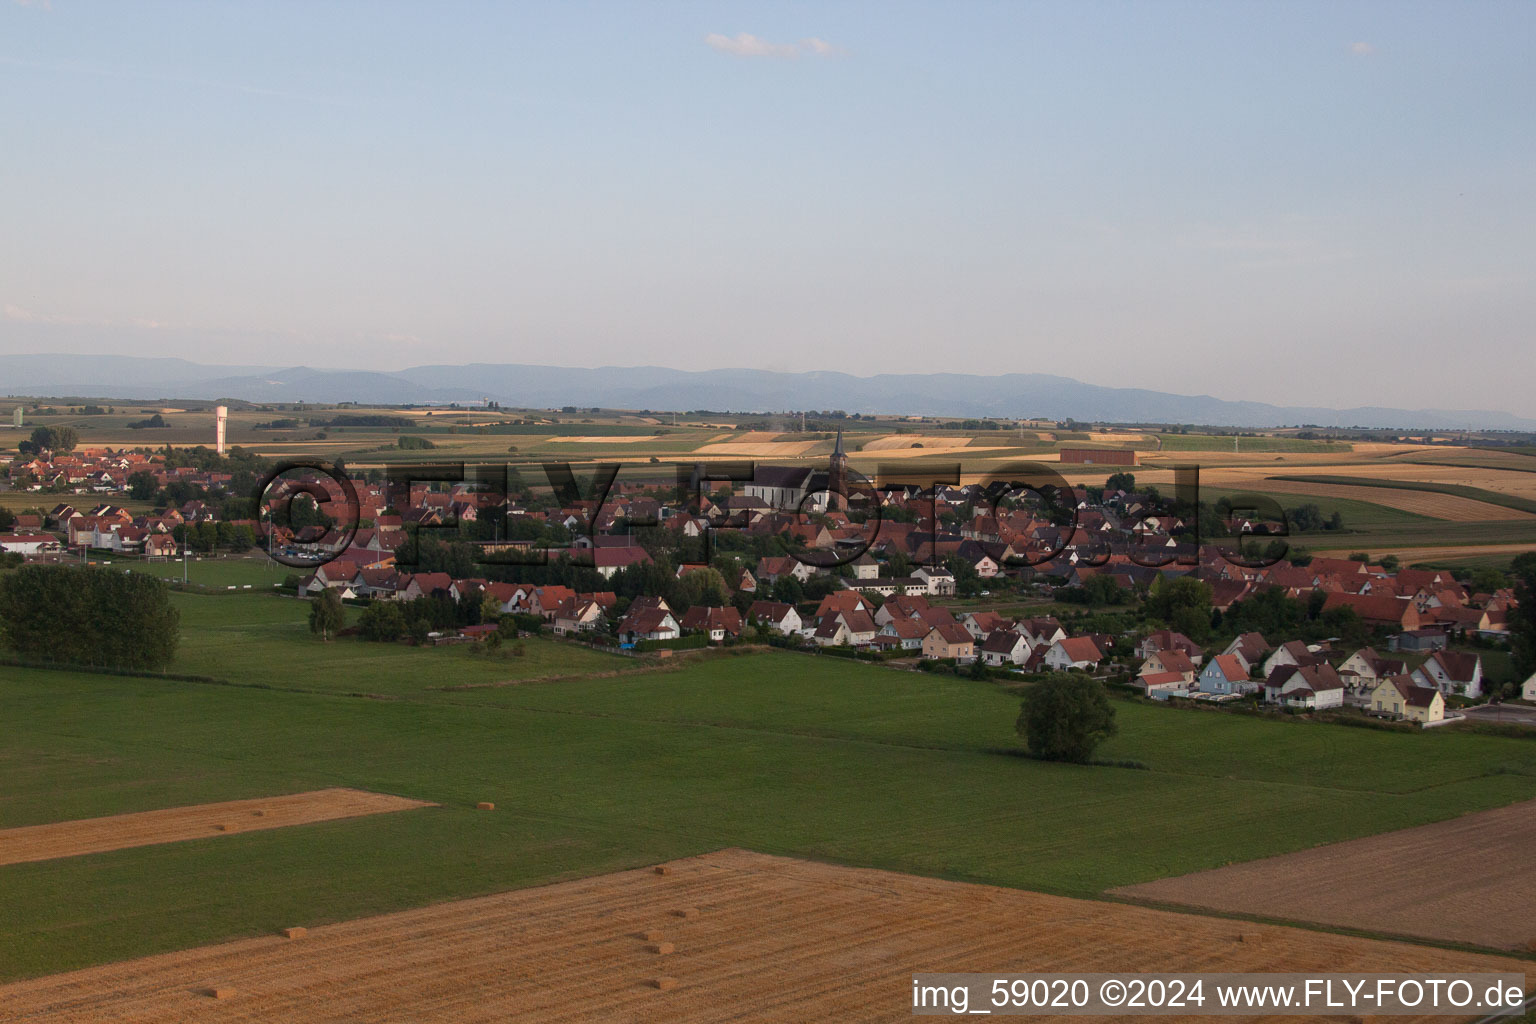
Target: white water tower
[
  {"x": 16, "y": 417},
  {"x": 220, "y": 418}
]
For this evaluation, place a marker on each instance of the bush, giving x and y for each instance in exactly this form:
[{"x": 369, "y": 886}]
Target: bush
[{"x": 682, "y": 643}]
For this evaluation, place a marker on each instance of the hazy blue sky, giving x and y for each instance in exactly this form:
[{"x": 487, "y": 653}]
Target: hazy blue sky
[{"x": 1293, "y": 202}]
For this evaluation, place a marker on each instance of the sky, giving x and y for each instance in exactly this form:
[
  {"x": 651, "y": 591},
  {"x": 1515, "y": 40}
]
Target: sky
[{"x": 1303, "y": 203}]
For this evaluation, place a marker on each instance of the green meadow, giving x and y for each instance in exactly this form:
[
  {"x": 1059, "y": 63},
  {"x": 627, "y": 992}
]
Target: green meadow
[{"x": 596, "y": 763}]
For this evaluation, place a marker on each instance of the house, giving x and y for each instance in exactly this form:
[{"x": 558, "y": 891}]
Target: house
[
  {"x": 423, "y": 584},
  {"x": 901, "y": 606},
  {"x": 940, "y": 581},
  {"x": 647, "y": 624},
  {"x": 1073, "y": 652},
  {"x": 832, "y": 632},
  {"x": 776, "y": 614},
  {"x": 1225, "y": 674},
  {"x": 1041, "y": 631},
  {"x": 610, "y": 561},
  {"x": 1292, "y": 652},
  {"x": 719, "y": 623},
  {"x": 1312, "y": 687},
  {"x": 578, "y": 615},
  {"x": 28, "y": 543},
  {"x": 771, "y": 569},
  {"x": 1398, "y": 695},
  {"x": 1162, "y": 662},
  {"x": 1162, "y": 685},
  {"x": 1528, "y": 689},
  {"x": 1251, "y": 647},
  {"x": 861, "y": 627},
  {"x": 1377, "y": 609},
  {"x": 1170, "y": 640},
  {"x": 1452, "y": 672},
  {"x": 904, "y": 633},
  {"x": 864, "y": 567},
  {"x": 1361, "y": 672},
  {"x": 949, "y": 640},
  {"x": 160, "y": 545},
  {"x": 1004, "y": 648},
  {"x": 984, "y": 624}
]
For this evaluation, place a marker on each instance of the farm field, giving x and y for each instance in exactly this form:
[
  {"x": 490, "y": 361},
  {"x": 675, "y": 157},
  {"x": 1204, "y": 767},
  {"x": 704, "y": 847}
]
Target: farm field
[
  {"x": 174, "y": 824},
  {"x": 783, "y": 753},
  {"x": 782, "y": 939},
  {"x": 1399, "y": 882}
]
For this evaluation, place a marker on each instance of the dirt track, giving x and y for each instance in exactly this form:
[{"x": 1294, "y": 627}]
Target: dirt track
[
  {"x": 766, "y": 939},
  {"x": 94, "y": 835},
  {"x": 1470, "y": 879}
]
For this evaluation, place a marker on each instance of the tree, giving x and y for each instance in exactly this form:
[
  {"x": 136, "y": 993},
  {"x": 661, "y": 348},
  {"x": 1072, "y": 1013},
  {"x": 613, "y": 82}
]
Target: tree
[
  {"x": 142, "y": 486},
  {"x": 382, "y": 622},
  {"x": 54, "y": 439},
  {"x": 1065, "y": 717},
  {"x": 1120, "y": 482},
  {"x": 82, "y": 615},
  {"x": 1184, "y": 604},
  {"x": 326, "y": 614}
]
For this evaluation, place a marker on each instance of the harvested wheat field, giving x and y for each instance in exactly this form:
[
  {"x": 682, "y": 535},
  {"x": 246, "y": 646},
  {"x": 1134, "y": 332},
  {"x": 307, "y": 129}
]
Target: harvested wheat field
[
  {"x": 604, "y": 438},
  {"x": 757, "y": 449},
  {"x": 727, "y": 936},
  {"x": 898, "y": 441},
  {"x": 1469, "y": 879},
  {"x": 146, "y": 828},
  {"x": 1506, "y": 481},
  {"x": 1425, "y": 503},
  {"x": 1445, "y": 553}
]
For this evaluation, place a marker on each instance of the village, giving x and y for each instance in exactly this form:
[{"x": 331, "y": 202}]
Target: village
[{"x": 945, "y": 577}]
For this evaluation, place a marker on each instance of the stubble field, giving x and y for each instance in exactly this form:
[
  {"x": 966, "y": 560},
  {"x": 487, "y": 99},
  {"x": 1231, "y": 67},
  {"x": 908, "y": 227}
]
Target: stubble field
[{"x": 736, "y": 935}]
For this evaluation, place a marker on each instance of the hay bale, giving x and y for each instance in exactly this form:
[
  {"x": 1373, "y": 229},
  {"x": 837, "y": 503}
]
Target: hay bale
[
  {"x": 221, "y": 828},
  {"x": 662, "y": 869},
  {"x": 258, "y": 814},
  {"x": 485, "y": 805},
  {"x": 220, "y": 993},
  {"x": 295, "y": 933},
  {"x": 662, "y": 948},
  {"x": 654, "y": 935},
  {"x": 686, "y": 913},
  {"x": 1251, "y": 938},
  {"x": 665, "y": 984}
]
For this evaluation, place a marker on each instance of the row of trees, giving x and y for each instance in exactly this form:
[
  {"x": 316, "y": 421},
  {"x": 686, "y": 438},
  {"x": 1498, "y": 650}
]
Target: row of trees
[{"x": 83, "y": 615}]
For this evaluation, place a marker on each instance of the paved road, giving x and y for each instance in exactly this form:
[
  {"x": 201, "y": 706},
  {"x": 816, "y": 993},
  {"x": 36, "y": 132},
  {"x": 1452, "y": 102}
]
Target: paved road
[{"x": 1508, "y": 714}]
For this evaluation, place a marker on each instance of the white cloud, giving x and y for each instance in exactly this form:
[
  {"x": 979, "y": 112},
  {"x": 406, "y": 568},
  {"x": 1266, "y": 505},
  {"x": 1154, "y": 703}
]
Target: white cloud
[
  {"x": 1361, "y": 49},
  {"x": 822, "y": 48},
  {"x": 745, "y": 44}
]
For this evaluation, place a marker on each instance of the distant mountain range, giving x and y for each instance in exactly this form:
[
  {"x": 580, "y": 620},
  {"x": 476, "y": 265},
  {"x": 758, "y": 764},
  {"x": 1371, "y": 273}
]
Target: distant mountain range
[{"x": 658, "y": 388}]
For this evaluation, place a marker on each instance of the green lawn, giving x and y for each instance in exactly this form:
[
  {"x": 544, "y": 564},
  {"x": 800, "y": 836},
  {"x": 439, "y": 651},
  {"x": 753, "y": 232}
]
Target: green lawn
[{"x": 778, "y": 752}]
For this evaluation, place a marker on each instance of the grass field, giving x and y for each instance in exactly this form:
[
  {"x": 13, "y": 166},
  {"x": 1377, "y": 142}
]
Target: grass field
[
  {"x": 214, "y": 573},
  {"x": 777, "y": 752}
]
